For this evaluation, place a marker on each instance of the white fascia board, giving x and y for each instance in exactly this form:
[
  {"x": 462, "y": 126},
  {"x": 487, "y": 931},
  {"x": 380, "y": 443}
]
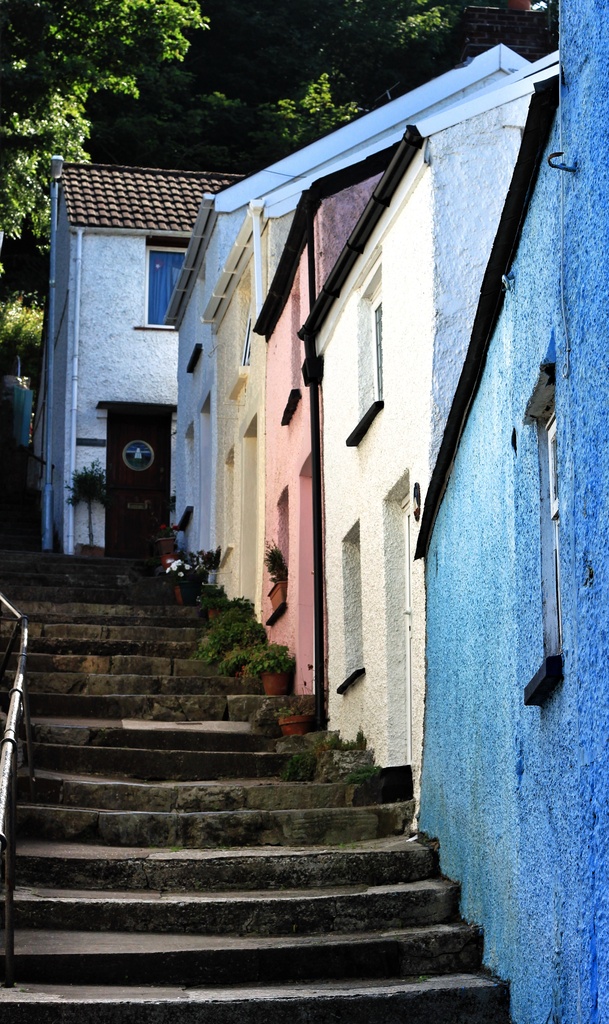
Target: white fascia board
[
  {"x": 233, "y": 267},
  {"x": 486, "y": 100},
  {"x": 366, "y": 134}
]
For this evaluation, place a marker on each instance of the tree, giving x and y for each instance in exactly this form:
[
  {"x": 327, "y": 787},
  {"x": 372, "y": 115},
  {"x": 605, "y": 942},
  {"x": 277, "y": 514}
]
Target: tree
[
  {"x": 54, "y": 54},
  {"x": 20, "y": 337}
]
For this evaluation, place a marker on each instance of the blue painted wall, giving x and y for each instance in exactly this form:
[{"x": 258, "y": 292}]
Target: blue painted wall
[{"x": 519, "y": 797}]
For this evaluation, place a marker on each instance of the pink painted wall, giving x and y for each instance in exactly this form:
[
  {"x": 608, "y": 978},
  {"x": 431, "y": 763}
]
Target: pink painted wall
[
  {"x": 288, "y": 484},
  {"x": 288, "y": 519}
]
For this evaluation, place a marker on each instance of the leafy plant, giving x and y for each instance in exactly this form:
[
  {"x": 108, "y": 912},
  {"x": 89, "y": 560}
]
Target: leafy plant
[
  {"x": 89, "y": 485},
  {"x": 300, "y": 767},
  {"x": 213, "y": 597},
  {"x": 211, "y": 559},
  {"x": 275, "y": 563},
  {"x": 271, "y": 658},
  {"x": 236, "y": 662},
  {"x": 303, "y": 704},
  {"x": 363, "y": 774},
  {"x": 234, "y": 629},
  {"x": 332, "y": 741}
]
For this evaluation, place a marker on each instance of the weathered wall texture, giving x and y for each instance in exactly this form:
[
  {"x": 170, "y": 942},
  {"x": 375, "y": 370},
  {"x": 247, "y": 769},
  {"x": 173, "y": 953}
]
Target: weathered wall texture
[
  {"x": 518, "y": 796},
  {"x": 431, "y": 250},
  {"x": 119, "y": 359}
]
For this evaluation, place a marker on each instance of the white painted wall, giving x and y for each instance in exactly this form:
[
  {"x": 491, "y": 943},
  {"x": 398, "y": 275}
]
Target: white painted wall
[
  {"x": 432, "y": 247},
  {"x": 120, "y": 359}
]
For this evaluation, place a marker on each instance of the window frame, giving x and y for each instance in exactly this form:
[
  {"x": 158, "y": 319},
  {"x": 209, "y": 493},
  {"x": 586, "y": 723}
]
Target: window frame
[{"x": 150, "y": 249}]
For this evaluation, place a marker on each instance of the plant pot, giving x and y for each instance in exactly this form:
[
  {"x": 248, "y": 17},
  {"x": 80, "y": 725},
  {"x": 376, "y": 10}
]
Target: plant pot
[
  {"x": 167, "y": 560},
  {"x": 187, "y": 591},
  {"x": 165, "y": 545},
  {"x": 279, "y": 594},
  {"x": 276, "y": 684},
  {"x": 296, "y": 725},
  {"x": 212, "y": 613},
  {"x": 90, "y": 551}
]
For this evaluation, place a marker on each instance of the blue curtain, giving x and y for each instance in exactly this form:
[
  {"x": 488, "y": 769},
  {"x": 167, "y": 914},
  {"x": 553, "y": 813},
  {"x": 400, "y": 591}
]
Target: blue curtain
[{"x": 163, "y": 272}]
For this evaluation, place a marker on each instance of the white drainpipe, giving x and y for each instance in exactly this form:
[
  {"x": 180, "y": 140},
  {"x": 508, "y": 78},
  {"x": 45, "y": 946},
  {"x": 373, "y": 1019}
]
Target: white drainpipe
[
  {"x": 74, "y": 392},
  {"x": 256, "y": 207}
]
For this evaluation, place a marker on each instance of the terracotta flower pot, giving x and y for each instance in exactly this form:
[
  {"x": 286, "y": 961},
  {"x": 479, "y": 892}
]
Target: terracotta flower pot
[
  {"x": 276, "y": 684},
  {"x": 279, "y": 594},
  {"x": 296, "y": 725},
  {"x": 165, "y": 545}
]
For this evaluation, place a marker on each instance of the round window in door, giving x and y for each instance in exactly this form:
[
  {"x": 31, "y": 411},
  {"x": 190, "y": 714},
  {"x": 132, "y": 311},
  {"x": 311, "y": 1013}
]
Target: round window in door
[{"x": 138, "y": 455}]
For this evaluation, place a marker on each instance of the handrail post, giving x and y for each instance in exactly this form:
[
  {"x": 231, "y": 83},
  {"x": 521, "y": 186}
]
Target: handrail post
[{"x": 9, "y": 880}]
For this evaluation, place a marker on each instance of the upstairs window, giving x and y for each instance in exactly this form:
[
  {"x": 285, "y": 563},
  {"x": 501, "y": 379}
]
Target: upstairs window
[
  {"x": 377, "y": 319},
  {"x": 164, "y": 266}
]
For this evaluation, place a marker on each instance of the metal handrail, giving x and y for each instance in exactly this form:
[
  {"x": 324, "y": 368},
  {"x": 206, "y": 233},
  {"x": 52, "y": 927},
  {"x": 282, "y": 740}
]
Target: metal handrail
[{"x": 18, "y": 712}]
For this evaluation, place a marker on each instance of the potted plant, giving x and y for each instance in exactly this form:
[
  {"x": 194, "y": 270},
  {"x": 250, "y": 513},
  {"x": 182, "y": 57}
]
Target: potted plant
[
  {"x": 275, "y": 666},
  {"x": 165, "y": 539},
  {"x": 89, "y": 485},
  {"x": 277, "y": 568},
  {"x": 212, "y": 601},
  {"x": 297, "y": 717},
  {"x": 211, "y": 563},
  {"x": 188, "y": 575}
]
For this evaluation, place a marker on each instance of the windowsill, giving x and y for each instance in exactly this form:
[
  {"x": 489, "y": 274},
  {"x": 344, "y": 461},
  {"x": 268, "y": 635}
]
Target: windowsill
[
  {"x": 280, "y": 610},
  {"x": 194, "y": 358},
  {"x": 364, "y": 424},
  {"x": 544, "y": 682},
  {"x": 240, "y": 382},
  {"x": 350, "y": 680},
  {"x": 154, "y": 327},
  {"x": 291, "y": 404}
]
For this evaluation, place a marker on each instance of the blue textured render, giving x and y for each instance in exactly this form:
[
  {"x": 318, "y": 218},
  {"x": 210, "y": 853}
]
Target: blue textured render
[{"x": 519, "y": 796}]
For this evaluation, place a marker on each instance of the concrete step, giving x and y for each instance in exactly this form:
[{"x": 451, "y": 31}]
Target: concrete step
[
  {"x": 27, "y": 592},
  {"x": 171, "y": 708},
  {"x": 77, "y": 576},
  {"x": 451, "y": 999},
  {"x": 215, "y": 829},
  {"x": 157, "y": 735},
  {"x": 179, "y": 765},
  {"x": 101, "y": 684},
  {"x": 115, "y": 794},
  {"x": 381, "y": 862},
  {"x": 288, "y": 912}
]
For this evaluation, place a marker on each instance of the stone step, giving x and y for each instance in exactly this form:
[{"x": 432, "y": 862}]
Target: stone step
[
  {"x": 288, "y": 912},
  {"x": 214, "y": 960},
  {"x": 382, "y": 862},
  {"x": 450, "y": 999},
  {"x": 100, "y": 684},
  {"x": 20, "y": 543},
  {"x": 180, "y": 765},
  {"x": 150, "y": 647},
  {"x": 77, "y": 576},
  {"x": 168, "y": 707},
  {"x": 214, "y": 829},
  {"x": 119, "y": 664},
  {"x": 158, "y": 735},
  {"x": 117, "y": 794},
  {"x": 27, "y": 592},
  {"x": 111, "y": 615},
  {"x": 96, "y": 631}
]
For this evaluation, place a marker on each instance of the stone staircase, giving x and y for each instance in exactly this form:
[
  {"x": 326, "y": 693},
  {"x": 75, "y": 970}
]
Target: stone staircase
[{"x": 165, "y": 871}]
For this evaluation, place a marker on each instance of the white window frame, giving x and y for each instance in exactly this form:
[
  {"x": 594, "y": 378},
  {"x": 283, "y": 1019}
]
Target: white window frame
[
  {"x": 550, "y": 534},
  {"x": 377, "y": 337},
  {"x": 149, "y": 250}
]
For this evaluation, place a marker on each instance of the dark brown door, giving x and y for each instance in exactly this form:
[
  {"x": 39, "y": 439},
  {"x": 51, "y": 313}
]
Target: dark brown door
[{"x": 138, "y": 474}]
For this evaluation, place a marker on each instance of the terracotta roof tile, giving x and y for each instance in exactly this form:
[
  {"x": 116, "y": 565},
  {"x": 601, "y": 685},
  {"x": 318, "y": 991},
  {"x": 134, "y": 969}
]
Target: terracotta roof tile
[{"x": 143, "y": 198}]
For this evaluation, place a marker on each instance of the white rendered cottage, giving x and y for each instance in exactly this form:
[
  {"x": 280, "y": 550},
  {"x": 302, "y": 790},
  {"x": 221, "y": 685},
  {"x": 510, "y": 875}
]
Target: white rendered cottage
[{"x": 121, "y": 237}]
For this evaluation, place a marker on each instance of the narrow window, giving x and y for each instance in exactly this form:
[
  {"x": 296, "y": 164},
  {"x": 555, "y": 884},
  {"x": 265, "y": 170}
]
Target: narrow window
[
  {"x": 247, "y": 344},
  {"x": 553, "y": 509},
  {"x": 164, "y": 266},
  {"x": 378, "y": 353}
]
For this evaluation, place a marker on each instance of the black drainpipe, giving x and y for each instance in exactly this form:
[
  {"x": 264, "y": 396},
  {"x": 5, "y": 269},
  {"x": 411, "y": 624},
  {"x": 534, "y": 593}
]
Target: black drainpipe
[{"x": 312, "y": 372}]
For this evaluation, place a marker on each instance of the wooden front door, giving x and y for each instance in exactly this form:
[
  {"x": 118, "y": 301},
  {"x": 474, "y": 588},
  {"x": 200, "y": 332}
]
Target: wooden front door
[{"x": 138, "y": 474}]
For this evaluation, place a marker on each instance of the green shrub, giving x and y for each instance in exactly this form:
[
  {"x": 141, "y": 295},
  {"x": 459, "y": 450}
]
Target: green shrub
[
  {"x": 232, "y": 630},
  {"x": 235, "y": 663},
  {"x": 271, "y": 658},
  {"x": 300, "y": 767},
  {"x": 362, "y": 774}
]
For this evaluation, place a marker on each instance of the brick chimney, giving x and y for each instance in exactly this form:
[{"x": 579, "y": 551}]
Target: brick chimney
[{"x": 521, "y": 29}]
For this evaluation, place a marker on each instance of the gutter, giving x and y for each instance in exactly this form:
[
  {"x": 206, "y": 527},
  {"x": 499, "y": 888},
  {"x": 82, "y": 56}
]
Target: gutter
[{"x": 534, "y": 140}]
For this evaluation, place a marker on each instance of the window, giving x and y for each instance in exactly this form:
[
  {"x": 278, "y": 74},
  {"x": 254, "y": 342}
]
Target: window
[
  {"x": 554, "y": 632},
  {"x": 377, "y": 318},
  {"x": 247, "y": 344},
  {"x": 164, "y": 266}
]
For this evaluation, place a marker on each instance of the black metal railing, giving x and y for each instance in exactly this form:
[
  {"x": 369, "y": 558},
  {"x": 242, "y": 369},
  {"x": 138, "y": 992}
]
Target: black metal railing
[{"x": 17, "y": 713}]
